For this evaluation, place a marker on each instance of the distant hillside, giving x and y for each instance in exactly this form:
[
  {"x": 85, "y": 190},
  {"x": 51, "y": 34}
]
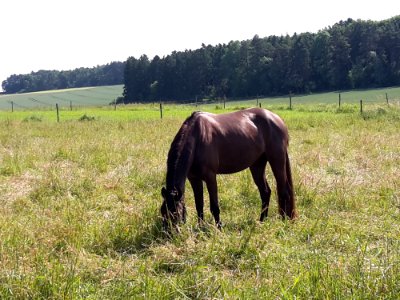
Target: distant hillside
[
  {"x": 109, "y": 74},
  {"x": 88, "y": 96},
  {"x": 104, "y": 95}
]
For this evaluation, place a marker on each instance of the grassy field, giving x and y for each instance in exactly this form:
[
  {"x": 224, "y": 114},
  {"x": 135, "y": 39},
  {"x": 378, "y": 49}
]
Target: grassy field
[
  {"x": 89, "y": 96},
  {"x": 102, "y": 96},
  {"x": 79, "y": 213}
]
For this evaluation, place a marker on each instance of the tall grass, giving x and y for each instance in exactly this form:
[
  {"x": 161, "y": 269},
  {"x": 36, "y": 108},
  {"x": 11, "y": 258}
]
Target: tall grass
[{"x": 79, "y": 213}]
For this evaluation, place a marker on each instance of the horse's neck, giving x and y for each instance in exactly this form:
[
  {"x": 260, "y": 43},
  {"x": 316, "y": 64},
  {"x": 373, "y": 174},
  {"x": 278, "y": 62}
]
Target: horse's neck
[{"x": 180, "y": 164}]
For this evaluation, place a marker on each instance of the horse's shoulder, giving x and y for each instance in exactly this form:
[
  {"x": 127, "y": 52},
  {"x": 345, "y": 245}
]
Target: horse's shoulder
[
  {"x": 204, "y": 117},
  {"x": 205, "y": 125}
]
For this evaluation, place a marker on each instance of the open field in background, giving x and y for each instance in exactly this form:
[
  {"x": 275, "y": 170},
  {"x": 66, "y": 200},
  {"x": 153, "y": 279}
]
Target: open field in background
[
  {"x": 90, "y": 106},
  {"x": 79, "y": 209},
  {"x": 90, "y": 96},
  {"x": 102, "y": 96}
]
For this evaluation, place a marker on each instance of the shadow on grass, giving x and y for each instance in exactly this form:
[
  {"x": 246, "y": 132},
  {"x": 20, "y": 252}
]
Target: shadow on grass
[
  {"x": 138, "y": 237},
  {"x": 134, "y": 240}
]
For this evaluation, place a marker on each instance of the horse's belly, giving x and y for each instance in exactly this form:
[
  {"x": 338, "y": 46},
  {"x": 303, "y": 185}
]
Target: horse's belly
[
  {"x": 236, "y": 159},
  {"x": 230, "y": 151},
  {"x": 229, "y": 169}
]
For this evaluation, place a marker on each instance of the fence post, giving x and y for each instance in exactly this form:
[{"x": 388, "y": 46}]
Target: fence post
[
  {"x": 259, "y": 104},
  {"x": 387, "y": 99},
  {"x": 224, "y": 101},
  {"x": 70, "y": 105},
  {"x": 361, "y": 106},
  {"x": 340, "y": 99},
  {"x": 12, "y": 106},
  {"x": 161, "y": 108},
  {"x": 58, "y": 114},
  {"x": 290, "y": 101}
]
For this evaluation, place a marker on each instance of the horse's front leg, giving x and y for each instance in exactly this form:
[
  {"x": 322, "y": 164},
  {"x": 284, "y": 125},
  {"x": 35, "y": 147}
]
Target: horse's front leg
[
  {"x": 197, "y": 186},
  {"x": 212, "y": 188}
]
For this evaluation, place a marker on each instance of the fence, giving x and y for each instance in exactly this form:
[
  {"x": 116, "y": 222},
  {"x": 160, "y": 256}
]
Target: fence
[{"x": 339, "y": 100}]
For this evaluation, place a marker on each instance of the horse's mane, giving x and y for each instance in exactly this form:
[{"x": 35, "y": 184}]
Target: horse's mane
[{"x": 181, "y": 152}]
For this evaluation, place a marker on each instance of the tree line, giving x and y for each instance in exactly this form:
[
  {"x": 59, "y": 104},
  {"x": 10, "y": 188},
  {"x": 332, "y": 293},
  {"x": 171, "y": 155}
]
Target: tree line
[
  {"x": 108, "y": 74},
  {"x": 349, "y": 54}
]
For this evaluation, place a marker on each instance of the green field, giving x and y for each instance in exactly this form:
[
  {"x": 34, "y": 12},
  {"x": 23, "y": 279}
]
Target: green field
[
  {"x": 90, "y": 96},
  {"x": 79, "y": 213},
  {"x": 103, "y": 96}
]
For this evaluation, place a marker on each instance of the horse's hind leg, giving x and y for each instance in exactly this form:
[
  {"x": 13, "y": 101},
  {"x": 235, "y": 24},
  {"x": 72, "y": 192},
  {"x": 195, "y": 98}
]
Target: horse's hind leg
[
  {"x": 258, "y": 173},
  {"x": 279, "y": 166}
]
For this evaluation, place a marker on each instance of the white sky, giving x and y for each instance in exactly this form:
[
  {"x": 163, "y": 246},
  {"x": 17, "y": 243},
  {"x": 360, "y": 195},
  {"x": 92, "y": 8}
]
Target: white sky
[{"x": 67, "y": 34}]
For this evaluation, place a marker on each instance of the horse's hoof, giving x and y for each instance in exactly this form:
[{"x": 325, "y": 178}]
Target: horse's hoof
[{"x": 219, "y": 225}]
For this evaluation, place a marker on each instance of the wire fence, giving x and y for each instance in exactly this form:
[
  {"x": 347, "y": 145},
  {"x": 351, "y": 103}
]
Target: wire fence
[{"x": 353, "y": 100}]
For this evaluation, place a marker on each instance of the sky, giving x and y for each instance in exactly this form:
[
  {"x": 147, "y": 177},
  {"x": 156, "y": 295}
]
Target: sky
[{"x": 68, "y": 34}]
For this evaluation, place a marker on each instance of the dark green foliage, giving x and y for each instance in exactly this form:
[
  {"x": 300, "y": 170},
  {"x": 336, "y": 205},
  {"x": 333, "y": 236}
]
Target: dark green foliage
[
  {"x": 33, "y": 119},
  {"x": 350, "y": 54},
  {"x": 109, "y": 74},
  {"x": 85, "y": 117}
]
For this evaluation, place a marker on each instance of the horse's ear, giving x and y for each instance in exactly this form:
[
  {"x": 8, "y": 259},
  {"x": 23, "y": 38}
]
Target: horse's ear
[{"x": 164, "y": 192}]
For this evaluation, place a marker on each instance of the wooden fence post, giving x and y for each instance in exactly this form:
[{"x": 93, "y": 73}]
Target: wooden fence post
[
  {"x": 340, "y": 99},
  {"x": 387, "y": 99},
  {"x": 58, "y": 114},
  {"x": 361, "y": 106},
  {"x": 290, "y": 101},
  {"x": 161, "y": 112},
  {"x": 12, "y": 106}
]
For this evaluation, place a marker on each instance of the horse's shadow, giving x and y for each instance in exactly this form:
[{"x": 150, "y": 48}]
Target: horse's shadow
[{"x": 140, "y": 240}]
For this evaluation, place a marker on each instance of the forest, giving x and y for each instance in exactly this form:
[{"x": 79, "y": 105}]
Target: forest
[
  {"x": 351, "y": 54},
  {"x": 43, "y": 80}
]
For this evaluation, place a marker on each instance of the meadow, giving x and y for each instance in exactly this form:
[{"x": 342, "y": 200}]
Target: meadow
[
  {"x": 80, "y": 198},
  {"x": 78, "y": 97},
  {"x": 82, "y": 98}
]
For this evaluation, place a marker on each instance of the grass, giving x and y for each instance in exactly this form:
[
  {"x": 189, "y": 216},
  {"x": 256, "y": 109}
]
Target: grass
[
  {"x": 79, "y": 213},
  {"x": 77, "y": 97},
  {"x": 104, "y": 95}
]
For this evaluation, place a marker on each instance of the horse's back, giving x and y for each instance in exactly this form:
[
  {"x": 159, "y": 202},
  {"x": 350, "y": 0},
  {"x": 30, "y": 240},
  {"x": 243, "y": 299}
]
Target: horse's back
[{"x": 234, "y": 141}]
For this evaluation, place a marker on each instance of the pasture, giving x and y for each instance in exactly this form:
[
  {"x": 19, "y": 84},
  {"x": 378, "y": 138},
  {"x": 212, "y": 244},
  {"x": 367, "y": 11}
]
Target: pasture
[
  {"x": 80, "y": 199},
  {"x": 78, "y": 97},
  {"x": 81, "y": 98}
]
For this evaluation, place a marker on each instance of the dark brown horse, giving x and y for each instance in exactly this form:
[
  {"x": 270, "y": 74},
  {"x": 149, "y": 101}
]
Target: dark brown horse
[{"x": 209, "y": 144}]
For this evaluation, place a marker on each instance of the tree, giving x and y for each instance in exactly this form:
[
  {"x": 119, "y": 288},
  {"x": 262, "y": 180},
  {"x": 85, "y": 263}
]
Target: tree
[
  {"x": 320, "y": 61},
  {"x": 137, "y": 79},
  {"x": 300, "y": 64},
  {"x": 339, "y": 59}
]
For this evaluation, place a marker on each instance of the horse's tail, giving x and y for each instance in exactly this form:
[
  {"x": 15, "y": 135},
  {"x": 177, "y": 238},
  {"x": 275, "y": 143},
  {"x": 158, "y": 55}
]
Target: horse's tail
[{"x": 291, "y": 201}]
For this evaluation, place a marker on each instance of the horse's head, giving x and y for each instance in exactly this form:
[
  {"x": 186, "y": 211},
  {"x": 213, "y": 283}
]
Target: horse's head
[{"x": 173, "y": 209}]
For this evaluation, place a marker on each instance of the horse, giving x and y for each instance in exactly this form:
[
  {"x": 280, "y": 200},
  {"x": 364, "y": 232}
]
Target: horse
[{"x": 209, "y": 144}]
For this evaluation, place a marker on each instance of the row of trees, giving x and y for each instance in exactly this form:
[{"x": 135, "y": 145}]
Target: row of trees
[
  {"x": 350, "y": 54},
  {"x": 108, "y": 74}
]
